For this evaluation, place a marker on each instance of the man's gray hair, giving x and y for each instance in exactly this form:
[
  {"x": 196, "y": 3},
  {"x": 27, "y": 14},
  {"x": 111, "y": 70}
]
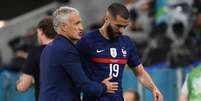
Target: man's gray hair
[{"x": 61, "y": 15}]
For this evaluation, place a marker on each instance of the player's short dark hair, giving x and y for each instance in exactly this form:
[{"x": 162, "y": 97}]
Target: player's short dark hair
[
  {"x": 46, "y": 25},
  {"x": 118, "y": 9}
]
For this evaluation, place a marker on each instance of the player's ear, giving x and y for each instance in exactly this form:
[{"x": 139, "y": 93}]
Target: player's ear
[
  {"x": 107, "y": 19},
  {"x": 39, "y": 31}
]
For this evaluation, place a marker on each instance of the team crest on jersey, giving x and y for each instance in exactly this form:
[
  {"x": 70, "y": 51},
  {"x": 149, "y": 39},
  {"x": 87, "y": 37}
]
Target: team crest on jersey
[
  {"x": 113, "y": 52},
  {"x": 124, "y": 52}
]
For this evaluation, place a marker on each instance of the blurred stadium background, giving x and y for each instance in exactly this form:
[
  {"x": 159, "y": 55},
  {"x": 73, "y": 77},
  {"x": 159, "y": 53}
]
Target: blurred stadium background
[{"x": 167, "y": 34}]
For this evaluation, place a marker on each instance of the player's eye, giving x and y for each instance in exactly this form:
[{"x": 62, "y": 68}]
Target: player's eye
[{"x": 121, "y": 26}]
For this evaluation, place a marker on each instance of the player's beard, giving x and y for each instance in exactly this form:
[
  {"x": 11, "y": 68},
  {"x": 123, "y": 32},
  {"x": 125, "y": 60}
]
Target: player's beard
[{"x": 111, "y": 34}]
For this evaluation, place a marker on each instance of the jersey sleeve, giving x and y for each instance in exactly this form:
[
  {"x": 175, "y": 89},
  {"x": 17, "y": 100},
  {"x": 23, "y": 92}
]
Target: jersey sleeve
[
  {"x": 30, "y": 63},
  {"x": 72, "y": 65},
  {"x": 133, "y": 58}
]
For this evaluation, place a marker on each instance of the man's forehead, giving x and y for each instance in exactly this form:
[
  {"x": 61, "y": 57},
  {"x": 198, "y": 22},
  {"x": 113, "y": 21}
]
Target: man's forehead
[{"x": 74, "y": 16}]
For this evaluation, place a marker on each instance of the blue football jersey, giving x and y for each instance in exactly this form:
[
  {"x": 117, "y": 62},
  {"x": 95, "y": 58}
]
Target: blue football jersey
[{"x": 102, "y": 57}]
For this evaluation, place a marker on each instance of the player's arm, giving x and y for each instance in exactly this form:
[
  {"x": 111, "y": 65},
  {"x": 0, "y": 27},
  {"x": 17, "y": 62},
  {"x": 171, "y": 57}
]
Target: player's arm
[
  {"x": 140, "y": 73},
  {"x": 24, "y": 82},
  {"x": 26, "y": 79},
  {"x": 146, "y": 81},
  {"x": 184, "y": 91}
]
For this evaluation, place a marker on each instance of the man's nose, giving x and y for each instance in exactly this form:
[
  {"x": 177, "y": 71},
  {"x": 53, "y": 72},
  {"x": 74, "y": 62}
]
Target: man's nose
[{"x": 81, "y": 27}]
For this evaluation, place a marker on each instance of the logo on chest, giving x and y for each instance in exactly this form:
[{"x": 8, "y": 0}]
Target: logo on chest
[
  {"x": 99, "y": 51},
  {"x": 113, "y": 52},
  {"x": 124, "y": 52}
]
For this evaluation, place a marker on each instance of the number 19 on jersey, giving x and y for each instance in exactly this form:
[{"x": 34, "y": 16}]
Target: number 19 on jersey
[{"x": 114, "y": 70}]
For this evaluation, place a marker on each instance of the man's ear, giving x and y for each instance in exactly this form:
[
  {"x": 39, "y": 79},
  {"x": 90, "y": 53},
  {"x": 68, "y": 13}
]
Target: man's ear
[
  {"x": 39, "y": 30},
  {"x": 63, "y": 26},
  {"x": 107, "y": 19}
]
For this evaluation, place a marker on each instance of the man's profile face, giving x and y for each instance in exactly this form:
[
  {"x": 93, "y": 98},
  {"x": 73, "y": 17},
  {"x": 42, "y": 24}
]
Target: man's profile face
[
  {"x": 39, "y": 35},
  {"x": 74, "y": 27},
  {"x": 116, "y": 26}
]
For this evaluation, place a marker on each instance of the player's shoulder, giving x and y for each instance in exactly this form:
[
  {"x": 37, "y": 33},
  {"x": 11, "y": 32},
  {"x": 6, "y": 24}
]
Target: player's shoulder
[
  {"x": 39, "y": 48},
  {"x": 35, "y": 50},
  {"x": 89, "y": 37},
  {"x": 126, "y": 39}
]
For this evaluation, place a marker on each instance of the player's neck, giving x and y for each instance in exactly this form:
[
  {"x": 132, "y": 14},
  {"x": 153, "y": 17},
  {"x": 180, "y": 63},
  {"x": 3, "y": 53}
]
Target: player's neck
[
  {"x": 103, "y": 32},
  {"x": 46, "y": 41}
]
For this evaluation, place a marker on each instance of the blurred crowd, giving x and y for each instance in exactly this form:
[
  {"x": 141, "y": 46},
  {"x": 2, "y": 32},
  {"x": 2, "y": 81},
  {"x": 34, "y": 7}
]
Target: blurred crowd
[{"x": 171, "y": 37}]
